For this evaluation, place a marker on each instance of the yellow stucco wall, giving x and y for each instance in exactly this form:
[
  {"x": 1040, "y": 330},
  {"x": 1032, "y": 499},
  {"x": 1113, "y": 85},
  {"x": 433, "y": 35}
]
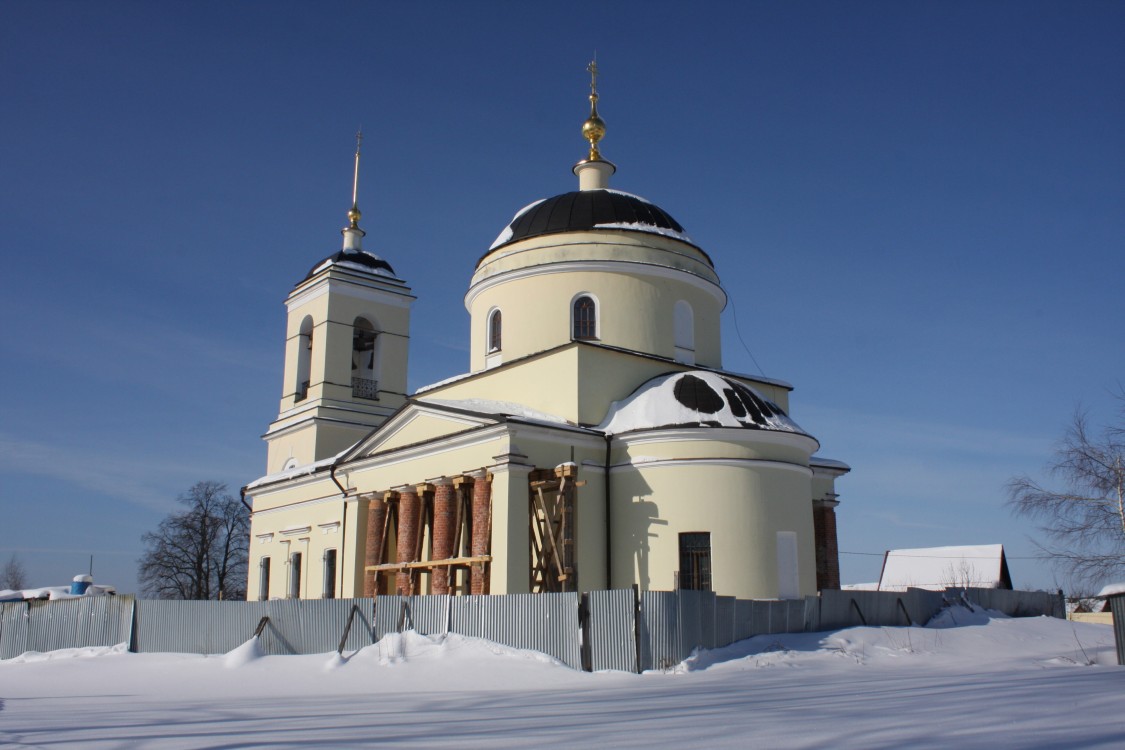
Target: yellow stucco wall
[
  {"x": 742, "y": 506},
  {"x": 333, "y": 300},
  {"x": 577, "y": 382},
  {"x": 632, "y": 276}
]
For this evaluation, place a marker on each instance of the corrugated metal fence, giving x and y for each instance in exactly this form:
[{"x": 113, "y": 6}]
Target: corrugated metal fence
[
  {"x": 621, "y": 630},
  {"x": 536, "y": 622},
  {"x": 70, "y": 623},
  {"x": 295, "y": 626},
  {"x": 1117, "y": 607}
]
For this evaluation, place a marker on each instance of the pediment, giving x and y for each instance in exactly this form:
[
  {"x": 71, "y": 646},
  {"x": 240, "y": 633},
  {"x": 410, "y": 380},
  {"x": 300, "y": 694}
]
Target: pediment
[{"x": 418, "y": 423}]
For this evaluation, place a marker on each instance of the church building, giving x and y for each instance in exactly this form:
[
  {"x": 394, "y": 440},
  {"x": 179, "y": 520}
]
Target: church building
[{"x": 595, "y": 442}]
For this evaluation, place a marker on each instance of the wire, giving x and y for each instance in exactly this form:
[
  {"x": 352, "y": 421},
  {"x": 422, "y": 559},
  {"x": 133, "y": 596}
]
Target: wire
[
  {"x": 944, "y": 557},
  {"x": 737, "y": 330}
]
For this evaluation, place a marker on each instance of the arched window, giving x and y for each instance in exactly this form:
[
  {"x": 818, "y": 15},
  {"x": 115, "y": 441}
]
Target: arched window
[
  {"x": 304, "y": 360},
  {"x": 683, "y": 332},
  {"x": 364, "y": 383},
  {"x": 585, "y": 318},
  {"x": 494, "y": 329}
]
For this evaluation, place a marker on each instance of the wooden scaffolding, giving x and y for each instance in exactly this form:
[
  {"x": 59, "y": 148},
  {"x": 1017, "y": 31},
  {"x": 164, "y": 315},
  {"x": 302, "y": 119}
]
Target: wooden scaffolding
[
  {"x": 465, "y": 563},
  {"x": 552, "y": 518}
]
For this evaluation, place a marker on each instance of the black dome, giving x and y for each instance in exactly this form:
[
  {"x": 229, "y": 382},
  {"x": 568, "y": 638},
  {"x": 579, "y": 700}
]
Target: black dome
[
  {"x": 365, "y": 260},
  {"x": 589, "y": 209}
]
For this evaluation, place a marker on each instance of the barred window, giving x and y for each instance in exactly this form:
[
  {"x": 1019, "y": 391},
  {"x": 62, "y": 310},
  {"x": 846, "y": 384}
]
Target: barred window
[
  {"x": 585, "y": 318},
  {"x": 695, "y": 561}
]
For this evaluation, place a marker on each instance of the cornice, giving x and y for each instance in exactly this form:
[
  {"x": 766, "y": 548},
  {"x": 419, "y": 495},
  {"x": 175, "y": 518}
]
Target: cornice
[{"x": 579, "y": 266}]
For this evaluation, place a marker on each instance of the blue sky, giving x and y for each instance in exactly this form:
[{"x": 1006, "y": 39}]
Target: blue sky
[{"x": 917, "y": 208}]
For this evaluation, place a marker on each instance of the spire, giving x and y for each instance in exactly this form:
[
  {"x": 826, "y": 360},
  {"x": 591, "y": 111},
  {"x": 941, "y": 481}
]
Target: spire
[
  {"x": 593, "y": 171},
  {"x": 593, "y": 129},
  {"x": 352, "y": 233}
]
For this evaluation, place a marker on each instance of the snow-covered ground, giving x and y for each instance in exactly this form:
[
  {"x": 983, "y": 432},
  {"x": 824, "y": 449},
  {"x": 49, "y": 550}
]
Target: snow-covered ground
[{"x": 965, "y": 681}]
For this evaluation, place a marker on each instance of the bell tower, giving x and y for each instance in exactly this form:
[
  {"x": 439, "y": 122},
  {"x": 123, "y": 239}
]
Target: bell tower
[{"x": 347, "y": 331}]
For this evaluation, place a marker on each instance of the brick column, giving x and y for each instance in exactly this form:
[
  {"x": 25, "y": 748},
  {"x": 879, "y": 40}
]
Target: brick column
[
  {"x": 409, "y": 516},
  {"x": 482, "y": 531},
  {"x": 827, "y": 549},
  {"x": 373, "y": 550},
  {"x": 445, "y": 515}
]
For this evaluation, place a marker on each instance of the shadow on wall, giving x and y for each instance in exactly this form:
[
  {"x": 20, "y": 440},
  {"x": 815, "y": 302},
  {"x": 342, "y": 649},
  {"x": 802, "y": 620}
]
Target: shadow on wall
[{"x": 637, "y": 524}]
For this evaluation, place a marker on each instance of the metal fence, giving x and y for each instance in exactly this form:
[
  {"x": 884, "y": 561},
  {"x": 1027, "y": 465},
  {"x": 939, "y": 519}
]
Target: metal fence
[
  {"x": 841, "y": 609},
  {"x": 672, "y": 624},
  {"x": 71, "y": 623},
  {"x": 294, "y": 626},
  {"x": 535, "y": 622},
  {"x": 626, "y": 630},
  {"x": 1117, "y": 607},
  {"x": 1019, "y": 603}
]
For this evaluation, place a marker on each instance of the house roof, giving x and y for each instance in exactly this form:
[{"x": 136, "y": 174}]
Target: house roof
[{"x": 937, "y": 568}]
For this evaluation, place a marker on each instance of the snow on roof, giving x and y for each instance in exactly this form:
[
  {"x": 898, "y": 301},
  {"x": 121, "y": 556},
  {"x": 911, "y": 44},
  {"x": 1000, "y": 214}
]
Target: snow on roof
[
  {"x": 696, "y": 399},
  {"x": 447, "y": 381},
  {"x": 650, "y": 228},
  {"x": 355, "y": 260},
  {"x": 1112, "y": 588},
  {"x": 872, "y": 586},
  {"x": 829, "y": 463},
  {"x": 491, "y": 406},
  {"x": 54, "y": 593},
  {"x": 584, "y": 210},
  {"x": 506, "y": 234},
  {"x": 298, "y": 471},
  {"x": 937, "y": 568}
]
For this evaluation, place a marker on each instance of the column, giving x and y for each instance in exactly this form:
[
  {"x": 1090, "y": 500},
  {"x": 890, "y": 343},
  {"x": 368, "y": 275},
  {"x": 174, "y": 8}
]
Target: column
[
  {"x": 482, "y": 531},
  {"x": 373, "y": 549},
  {"x": 445, "y": 516},
  {"x": 409, "y": 519}
]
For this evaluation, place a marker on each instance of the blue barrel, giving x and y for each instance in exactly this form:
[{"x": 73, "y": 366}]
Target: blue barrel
[{"x": 80, "y": 583}]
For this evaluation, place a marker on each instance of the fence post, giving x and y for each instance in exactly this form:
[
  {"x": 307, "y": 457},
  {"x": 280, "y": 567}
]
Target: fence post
[
  {"x": 859, "y": 612},
  {"x": 403, "y": 614},
  {"x": 347, "y": 629},
  {"x": 637, "y": 624},
  {"x": 909, "y": 619},
  {"x": 587, "y": 652}
]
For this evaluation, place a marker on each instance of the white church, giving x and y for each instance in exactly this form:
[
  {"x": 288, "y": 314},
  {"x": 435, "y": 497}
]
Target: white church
[{"x": 595, "y": 442}]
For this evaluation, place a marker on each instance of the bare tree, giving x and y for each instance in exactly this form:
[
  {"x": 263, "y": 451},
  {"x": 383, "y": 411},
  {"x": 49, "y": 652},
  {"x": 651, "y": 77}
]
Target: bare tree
[
  {"x": 14, "y": 575},
  {"x": 200, "y": 553},
  {"x": 962, "y": 575},
  {"x": 1083, "y": 519}
]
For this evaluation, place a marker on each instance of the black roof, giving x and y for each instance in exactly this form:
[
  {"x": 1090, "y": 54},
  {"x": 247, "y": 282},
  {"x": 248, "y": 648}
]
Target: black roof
[
  {"x": 360, "y": 257},
  {"x": 585, "y": 209}
]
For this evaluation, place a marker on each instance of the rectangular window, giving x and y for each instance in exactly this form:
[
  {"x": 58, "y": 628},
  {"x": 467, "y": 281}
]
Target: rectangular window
[
  {"x": 329, "y": 591},
  {"x": 295, "y": 575},
  {"x": 264, "y": 579},
  {"x": 695, "y": 561}
]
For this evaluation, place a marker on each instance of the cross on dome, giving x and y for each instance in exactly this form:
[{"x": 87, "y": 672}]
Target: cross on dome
[{"x": 352, "y": 233}]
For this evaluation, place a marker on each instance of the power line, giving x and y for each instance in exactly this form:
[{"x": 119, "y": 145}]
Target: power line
[{"x": 945, "y": 557}]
